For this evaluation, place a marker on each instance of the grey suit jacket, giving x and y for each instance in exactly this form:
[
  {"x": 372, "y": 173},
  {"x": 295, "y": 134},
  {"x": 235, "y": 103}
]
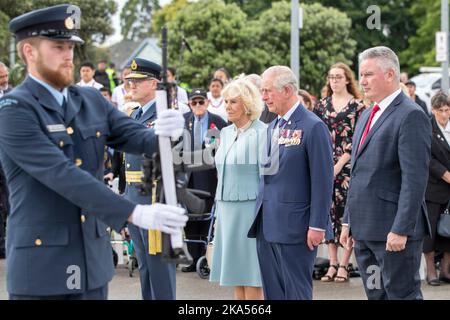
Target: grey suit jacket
[{"x": 389, "y": 174}]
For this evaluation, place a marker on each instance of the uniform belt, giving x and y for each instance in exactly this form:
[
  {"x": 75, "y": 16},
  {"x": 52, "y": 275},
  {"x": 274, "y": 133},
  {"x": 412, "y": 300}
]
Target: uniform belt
[{"x": 133, "y": 176}]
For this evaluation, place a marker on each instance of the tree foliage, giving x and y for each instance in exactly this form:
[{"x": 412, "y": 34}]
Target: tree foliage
[
  {"x": 253, "y": 8},
  {"x": 397, "y": 23},
  {"x": 317, "y": 51},
  {"x": 166, "y": 14},
  {"x": 421, "y": 49},
  {"x": 136, "y": 18},
  {"x": 220, "y": 36}
]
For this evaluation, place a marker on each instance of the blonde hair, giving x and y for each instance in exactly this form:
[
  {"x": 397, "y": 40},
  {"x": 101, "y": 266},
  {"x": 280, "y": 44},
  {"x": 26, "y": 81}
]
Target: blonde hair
[
  {"x": 248, "y": 93},
  {"x": 34, "y": 41}
]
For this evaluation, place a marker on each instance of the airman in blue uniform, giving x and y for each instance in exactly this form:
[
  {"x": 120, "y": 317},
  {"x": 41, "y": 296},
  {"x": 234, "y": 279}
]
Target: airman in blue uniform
[
  {"x": 157, "y": 276},
  {"x": 52, "y": 138}
]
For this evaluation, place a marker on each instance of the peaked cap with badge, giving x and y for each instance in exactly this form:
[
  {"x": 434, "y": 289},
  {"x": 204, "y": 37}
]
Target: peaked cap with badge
[
  {"x": 142, "y": 68},
  {"x": 59, "y": 22}
]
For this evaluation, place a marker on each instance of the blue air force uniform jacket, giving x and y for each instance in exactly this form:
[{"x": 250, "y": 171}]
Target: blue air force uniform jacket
[
  {"x": 57, "y": 240},
  {"x": 133, "y": 162}
]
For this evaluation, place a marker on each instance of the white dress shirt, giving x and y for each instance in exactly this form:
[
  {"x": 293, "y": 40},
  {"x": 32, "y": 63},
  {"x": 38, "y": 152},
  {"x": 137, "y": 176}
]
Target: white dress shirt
[
  {"x": 92, "y": 83},
  {"x": 383, "y": 104},
  {"x": 118, "y": 97},
  {"x": 445, "y": 131},
  {"x": 217, "y": 106}
]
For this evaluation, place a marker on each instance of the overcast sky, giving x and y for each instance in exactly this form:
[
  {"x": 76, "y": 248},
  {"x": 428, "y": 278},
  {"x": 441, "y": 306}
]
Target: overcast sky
[{"x": 116, "y": 21}]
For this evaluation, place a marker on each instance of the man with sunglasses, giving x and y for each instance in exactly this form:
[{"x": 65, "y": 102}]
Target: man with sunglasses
[
  {"x": 156, "y": 276},
  {"x": 203, "y": 129}
]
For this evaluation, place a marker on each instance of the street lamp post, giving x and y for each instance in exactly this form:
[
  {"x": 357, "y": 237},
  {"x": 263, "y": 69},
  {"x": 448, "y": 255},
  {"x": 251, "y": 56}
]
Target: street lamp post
[
  {"x": 444, "y": 28},
  {"x": 295, "y": 40}
]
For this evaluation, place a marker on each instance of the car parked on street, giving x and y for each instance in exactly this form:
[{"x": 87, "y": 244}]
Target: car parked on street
[{"x": 428, "y": 82}]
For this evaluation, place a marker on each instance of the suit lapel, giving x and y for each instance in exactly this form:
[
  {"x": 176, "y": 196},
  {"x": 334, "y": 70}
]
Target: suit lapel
[
  {"x": 391, "y": 108},
  {"x": 271, "y": 140},
  {"x": 358, "y": 134},
  {"x": 151, "y": 112},
  {"x": 43, "y": 96},
  {"x": 74, "y": 102},
  {"x": 439, "y": 136},
  {"x": 191, "y": 130}
]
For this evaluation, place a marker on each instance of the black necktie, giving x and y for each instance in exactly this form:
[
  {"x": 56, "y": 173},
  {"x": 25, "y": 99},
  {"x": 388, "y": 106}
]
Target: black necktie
[
  {"x": 139, "y": 114},
  {"x": 64, "y": 104}
]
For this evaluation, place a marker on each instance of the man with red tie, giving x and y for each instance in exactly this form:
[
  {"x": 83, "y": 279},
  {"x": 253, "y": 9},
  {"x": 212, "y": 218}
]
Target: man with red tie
[{"x": 385, "y": 215}]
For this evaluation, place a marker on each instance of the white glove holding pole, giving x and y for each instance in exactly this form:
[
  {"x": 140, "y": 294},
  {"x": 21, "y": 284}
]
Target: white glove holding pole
[
  {"x": 170, "y": 123},
  {"x": 158, "y": 216}
]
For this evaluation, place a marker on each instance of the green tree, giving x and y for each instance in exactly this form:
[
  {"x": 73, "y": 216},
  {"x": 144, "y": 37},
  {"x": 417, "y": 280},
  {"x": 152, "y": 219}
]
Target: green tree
[
  {"x": 220, "y": 36},
  {"x": 397, "y": 23},
  {"x": 253, "y": 7},
  {"x": 166, "y": 14},
  {"x": 4, "y": 35},
  {"x": 325, "y": 39},
  {"x": 136, "y": 18},
  {"x": 422, "y": 50}
]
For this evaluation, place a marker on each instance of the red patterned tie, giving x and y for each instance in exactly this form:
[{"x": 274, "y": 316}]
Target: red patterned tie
[{"x": 375, "y": 109}]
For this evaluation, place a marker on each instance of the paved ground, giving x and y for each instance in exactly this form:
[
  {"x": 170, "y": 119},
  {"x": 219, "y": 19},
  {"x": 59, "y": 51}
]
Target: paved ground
[{"x": 191, "y": 287}]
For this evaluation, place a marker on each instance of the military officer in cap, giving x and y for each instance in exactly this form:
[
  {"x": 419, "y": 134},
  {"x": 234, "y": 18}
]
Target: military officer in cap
[
  {"x": 52, "y": 137},
  {"x": 157, "y": 276}
]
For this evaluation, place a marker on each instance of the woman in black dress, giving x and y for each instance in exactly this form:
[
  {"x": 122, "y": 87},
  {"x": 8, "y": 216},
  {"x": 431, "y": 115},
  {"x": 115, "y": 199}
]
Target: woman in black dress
[
  {"x": 438, "y": 189},
  {"x": 340, "y": 110}
]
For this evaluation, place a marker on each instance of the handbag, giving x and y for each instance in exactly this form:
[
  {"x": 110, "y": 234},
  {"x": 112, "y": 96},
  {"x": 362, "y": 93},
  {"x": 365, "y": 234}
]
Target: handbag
[{"x": 443, "y": 226}]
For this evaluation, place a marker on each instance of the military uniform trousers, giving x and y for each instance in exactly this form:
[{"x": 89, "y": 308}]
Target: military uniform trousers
[{"x": 157, "y": 276}]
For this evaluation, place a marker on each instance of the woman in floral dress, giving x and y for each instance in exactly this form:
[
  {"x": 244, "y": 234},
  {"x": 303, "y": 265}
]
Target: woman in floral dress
[{"x": 340, "y": 110}]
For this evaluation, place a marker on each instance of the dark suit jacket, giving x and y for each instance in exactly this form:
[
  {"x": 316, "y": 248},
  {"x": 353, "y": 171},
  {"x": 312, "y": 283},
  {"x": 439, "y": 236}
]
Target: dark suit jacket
[
  {"x": 204, "y": 180},
  {"x": 390, "y": 173},
  {"x": 297, "y": 194},
  {"x": 422, "y": 104},
  {"x": 267, "y": 116},
  {"x": 438, "y": 190}
]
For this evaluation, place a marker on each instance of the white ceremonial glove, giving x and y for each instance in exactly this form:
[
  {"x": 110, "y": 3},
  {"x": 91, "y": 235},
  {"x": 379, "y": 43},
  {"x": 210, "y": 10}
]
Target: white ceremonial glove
[
  {"x": 158, "y": 216},
  {"x": 170, "y": 123}
]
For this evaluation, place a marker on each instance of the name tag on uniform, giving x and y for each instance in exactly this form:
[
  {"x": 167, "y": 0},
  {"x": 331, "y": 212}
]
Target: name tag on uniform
[{"x": 56, "y": 128}]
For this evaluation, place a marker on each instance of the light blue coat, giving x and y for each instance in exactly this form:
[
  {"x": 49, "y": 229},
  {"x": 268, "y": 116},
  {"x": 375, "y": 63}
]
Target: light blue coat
[{"x": 241, "y": 183}]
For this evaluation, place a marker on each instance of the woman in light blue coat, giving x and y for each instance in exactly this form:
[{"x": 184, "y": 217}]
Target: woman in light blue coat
[{"x": 235, "y": 260}]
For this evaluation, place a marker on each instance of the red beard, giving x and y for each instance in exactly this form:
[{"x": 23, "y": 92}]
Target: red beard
[{"x": 60, "y": 78}]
